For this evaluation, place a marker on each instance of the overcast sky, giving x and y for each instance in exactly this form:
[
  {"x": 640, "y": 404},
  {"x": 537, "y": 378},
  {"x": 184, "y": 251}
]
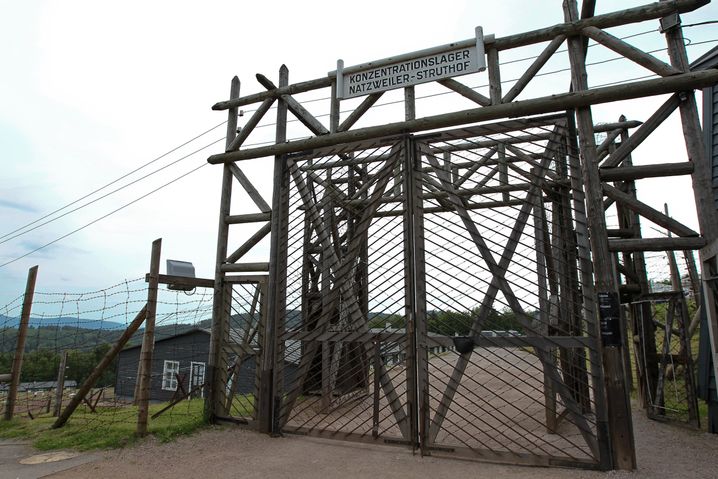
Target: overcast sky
[{"x": 91, "y": 90}]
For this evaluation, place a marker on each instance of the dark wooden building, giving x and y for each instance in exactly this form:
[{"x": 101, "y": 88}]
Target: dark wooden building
[
  {"x": 710, "y": 115},
  {"x": 178, "y": 362}
]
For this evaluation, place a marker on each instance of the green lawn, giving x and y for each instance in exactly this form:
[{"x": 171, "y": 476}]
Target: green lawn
[{"x": 110, "y": 427}]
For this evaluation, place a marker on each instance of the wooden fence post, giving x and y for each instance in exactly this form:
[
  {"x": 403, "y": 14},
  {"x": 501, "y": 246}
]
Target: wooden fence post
[
  {"x": 60, "y": 386},
  {"x": 100, "y": 368},
  {"x": 214, "y": 404},
  {"x": 620, "y": 427},
  {"x": 20, "y": 347},
  {"x": 148, "y": 340}
]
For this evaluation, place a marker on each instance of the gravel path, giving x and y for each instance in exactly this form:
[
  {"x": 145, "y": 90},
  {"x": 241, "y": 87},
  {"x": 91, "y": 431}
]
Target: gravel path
[{"x": 663, "y": 452}]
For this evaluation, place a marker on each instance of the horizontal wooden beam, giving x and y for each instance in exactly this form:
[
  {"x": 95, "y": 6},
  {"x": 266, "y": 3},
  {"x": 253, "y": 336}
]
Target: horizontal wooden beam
[
  {"x": 656, "y": 244},
  {"x": 629, "y": 173},
  {"x": 621, "y": 17},
  {"x": 620, "y": 232},
  {"x": 247, "y": 278},
  {"x": 301, "y": 87},
  {"x": 248, "y": 218},
  {"x": 537, "y": 106},
  {"x": 5, "y": 377},
  {"x": 183, "y": 281},
  {"x": 244, "y": 267}
]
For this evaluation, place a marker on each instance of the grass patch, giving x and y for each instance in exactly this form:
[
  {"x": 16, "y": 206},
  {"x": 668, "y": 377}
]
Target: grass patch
[{"x": 110, "y": 427}]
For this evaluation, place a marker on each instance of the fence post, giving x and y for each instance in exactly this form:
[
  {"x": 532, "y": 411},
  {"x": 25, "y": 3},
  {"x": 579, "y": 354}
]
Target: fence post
[
  {"x": 214, "y": 404},
  {"x": 60, "y": 386},
  {"x": 20, "y": 348},
  {"x": 148, "y": 340}
]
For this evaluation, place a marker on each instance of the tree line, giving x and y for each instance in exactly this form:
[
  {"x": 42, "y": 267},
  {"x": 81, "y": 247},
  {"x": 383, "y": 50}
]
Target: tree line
[{"x": 43, "y": 364}]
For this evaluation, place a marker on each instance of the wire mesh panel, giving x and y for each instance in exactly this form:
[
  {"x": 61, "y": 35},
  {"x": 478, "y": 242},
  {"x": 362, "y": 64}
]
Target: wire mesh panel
[
  {"x": 70, "y": 333},
  {"x": 670, "y": 374},
  {"x": 345, "y": 352},
  {"x": 242, "y": 349},
  {"x": 510, "y": 346}
]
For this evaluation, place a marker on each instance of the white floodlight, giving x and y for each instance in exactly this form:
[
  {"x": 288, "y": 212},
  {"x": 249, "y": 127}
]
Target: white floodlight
[{"x": 180, "y": 268}]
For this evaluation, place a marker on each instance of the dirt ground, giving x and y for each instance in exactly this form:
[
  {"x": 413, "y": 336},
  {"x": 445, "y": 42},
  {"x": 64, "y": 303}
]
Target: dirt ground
[{"x": 664, "y": 451}]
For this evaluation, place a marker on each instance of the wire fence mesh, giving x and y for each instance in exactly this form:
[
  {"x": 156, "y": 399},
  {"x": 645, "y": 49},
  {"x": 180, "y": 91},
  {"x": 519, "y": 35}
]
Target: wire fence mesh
[{"x": 83, "y": 326}]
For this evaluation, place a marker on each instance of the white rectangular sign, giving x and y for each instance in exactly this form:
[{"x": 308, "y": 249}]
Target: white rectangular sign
[{"x": 411, "y": 72}]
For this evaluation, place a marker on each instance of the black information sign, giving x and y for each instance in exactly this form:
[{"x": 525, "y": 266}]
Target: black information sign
[{"x": 609, "y": 314}]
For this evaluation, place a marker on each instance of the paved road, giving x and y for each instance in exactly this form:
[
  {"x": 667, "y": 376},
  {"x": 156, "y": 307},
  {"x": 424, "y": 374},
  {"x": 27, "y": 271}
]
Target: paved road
[{"x": 18, "y": 460}]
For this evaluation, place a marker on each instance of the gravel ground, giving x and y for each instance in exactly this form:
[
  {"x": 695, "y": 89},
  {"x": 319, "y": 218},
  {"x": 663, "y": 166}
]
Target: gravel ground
[{"x": 664, "y": 451}]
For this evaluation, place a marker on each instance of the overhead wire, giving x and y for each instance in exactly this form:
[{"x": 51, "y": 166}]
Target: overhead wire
[{"x": 5, "y": 238}]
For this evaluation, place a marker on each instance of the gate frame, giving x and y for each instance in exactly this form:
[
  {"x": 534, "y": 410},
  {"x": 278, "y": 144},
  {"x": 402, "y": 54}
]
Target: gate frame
[{"x": 676, "y": 78}]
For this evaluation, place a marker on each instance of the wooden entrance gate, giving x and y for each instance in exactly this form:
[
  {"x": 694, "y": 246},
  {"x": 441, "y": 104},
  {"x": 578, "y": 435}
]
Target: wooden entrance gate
[
  {"x": 443, "y": 290},
  {"x": 438, "y": 295}
]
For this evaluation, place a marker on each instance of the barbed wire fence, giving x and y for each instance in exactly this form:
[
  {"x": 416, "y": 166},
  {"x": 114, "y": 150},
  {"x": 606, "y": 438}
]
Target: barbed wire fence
[{"x": 71, "y": 332}]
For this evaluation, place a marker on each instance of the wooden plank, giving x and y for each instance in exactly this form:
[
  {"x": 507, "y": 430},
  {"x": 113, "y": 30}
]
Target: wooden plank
[
  {"x": 465, "y": 91},
  {"x": 533, "y": 69},
  {"x": 16, "y": 368},
  {"x": 630, "y": 173},
  {"x": 100, "y": 368},
  {"x": 359, "y": 111},
  {"x": 647, "y": 211},
  {"x": 629, "y": 51},
  {"x": 250, "y": 189},
  {"x": 250, "y": 243},
  {"x": 656, "y": 244},
  {"x": 546, "y": 104},
  {"x": 148, "y": 341}
]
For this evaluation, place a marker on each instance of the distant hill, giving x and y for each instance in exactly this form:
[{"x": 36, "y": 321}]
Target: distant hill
[{"x": 62, "y": 321}]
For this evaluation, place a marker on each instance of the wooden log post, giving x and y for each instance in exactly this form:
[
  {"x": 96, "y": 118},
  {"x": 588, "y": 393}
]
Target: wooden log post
[
  {"x": 148, "y": 341},
  {"x": 100, "y": 368},
  {"x": 20, "y": 346},
  {"x": 60, "y": 389},
  {"x": 622, "y": 449},
  {"x": 270, "y": 395},
  {"x": 692, "y": 133},
  {"x": 214, "y": 404}
]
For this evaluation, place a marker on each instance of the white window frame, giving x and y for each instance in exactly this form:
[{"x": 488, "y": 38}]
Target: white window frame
[
  {"x": 169, "y": 375},
  {"x": 191, "y": 375}
]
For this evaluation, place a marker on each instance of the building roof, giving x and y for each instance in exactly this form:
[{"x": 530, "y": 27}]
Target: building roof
[
  {"x": 38, "y": 385},
  {"x": 707, "y": 60}
]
